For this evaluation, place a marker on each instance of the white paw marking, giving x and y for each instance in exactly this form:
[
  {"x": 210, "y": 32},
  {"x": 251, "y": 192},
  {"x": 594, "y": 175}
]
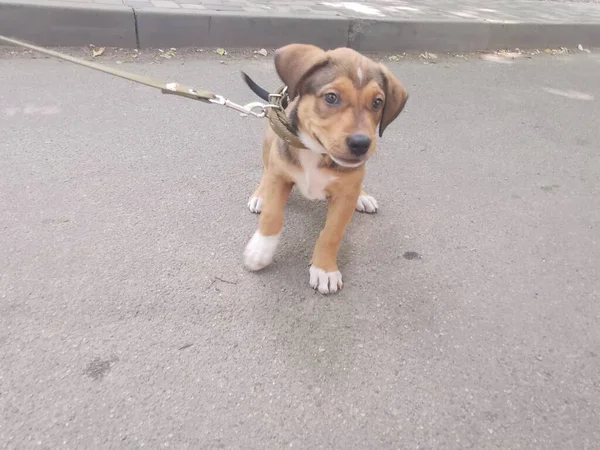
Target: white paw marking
[
  {"x": 255, "y": 204},
  {"x": 260, "y": 250},
  {"x": 325, "y": 282},
  {"x": 366, "y": 203}
]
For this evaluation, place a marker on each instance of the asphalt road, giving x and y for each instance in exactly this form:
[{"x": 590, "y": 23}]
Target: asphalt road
[{"x": 470, "y": 316}]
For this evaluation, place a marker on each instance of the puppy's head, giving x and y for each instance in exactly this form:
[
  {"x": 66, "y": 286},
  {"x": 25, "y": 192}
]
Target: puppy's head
[{"x": 342, "y": 97}]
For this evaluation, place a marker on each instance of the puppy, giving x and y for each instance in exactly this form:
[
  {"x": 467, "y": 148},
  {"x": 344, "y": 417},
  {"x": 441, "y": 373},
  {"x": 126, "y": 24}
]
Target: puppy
[{"x": 337, "y": 100}]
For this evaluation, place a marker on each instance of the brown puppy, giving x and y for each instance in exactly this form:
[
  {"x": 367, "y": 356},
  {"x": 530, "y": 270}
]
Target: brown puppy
[{"x": 338, "y": 98}]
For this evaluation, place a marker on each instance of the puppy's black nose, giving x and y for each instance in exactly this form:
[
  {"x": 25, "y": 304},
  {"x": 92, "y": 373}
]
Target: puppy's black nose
[{"x": 358, "y": 144}]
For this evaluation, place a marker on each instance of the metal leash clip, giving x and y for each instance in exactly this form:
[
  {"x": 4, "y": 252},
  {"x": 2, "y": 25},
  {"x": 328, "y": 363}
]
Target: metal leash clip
[{"x": 255, "y": 109}]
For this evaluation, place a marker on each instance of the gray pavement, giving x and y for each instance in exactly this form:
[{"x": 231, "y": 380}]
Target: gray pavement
[
  {"x": 370, "y": 25},
  {"x": 470, "y": 314}
]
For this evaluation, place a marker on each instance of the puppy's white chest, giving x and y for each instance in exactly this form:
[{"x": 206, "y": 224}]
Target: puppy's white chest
[{"x": 312, "y": 181}]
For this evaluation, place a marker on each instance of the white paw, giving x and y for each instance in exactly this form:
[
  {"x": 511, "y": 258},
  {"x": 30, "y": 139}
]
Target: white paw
[
  {"x": 255, "y": 204},
  {"x": 366, "y": 203},
  {"x": 325, "y": 282},
  {"x": 260, "y": 250}
]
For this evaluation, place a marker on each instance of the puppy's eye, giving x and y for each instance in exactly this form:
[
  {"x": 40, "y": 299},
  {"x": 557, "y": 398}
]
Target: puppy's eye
[
  {"x": 377, "y": 103},
  {"x": 331, "y": 98}
]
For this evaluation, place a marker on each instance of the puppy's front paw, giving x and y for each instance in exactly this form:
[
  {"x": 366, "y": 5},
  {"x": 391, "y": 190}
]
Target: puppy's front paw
[
  {"x": 325, "y": 282},
  {"x": 260, "y": 250},
  {"x": 367, "y": 204},
  {"x": 255, "y": 204}
]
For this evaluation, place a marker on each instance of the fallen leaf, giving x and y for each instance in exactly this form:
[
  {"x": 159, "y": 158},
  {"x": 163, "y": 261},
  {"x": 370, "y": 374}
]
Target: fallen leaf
[
  {"x": 262, "y": 52},
  {"x": 394, "y": 58},
  {"x": 428, "y": 55},
  {"x": 507, "y": 54},
  {"x": 98, "y": 51},
  {"x": 221, "y": 51},
  {"x": 496, "y": 59},
  {"x": 165, "y": 55},
  {"x": 580, "y": 47},
  {"x": 557, "y": 51}
]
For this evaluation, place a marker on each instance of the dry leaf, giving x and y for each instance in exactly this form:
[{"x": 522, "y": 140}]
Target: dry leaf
[
  {"x": 394, "y": 58},
  {"x": 262, "y": 52},
  {"x": 496, "y": 58},
  {"x": 168, "y": 55},
  {"x": 98, "y": 51},
  {"x": 428, "y": 55},
  {"x": 507, "y": 54},
  {"x": 221, "y": 51},
  {"x": 557, "y": 51}
]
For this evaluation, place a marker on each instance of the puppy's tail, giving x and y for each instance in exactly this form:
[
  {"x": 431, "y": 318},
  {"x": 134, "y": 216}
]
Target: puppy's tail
[{"x": 262, "y": 93}]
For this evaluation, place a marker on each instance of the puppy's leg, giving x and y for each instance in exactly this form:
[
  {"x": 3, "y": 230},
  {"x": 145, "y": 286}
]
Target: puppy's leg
[
  {"x": 255, "y": 203},
  {"x": 261, "y": 247},
  {"x": 366, "y": 203},
  {"x": 324, "y": 273}
]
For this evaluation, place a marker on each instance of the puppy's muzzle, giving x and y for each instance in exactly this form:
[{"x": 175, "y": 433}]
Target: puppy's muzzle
[{"x": 358, "y": 144}]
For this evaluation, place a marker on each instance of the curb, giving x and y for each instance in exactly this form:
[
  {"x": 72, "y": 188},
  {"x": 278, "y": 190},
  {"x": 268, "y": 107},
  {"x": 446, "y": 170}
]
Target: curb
[
  {"x": 464, "y": 37},
  {"x": 60, "y": 23},
  {"x": 57, "y": 24},
  {"x": 175, "y": 28}
]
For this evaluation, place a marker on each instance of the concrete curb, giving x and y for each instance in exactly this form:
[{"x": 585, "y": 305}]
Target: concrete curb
[
  {"x": 471, "y": 36},
  {"x": 69, "y": 24},
  {"x": 179, "y": 28},
  {"x": 57, "y": 23}
]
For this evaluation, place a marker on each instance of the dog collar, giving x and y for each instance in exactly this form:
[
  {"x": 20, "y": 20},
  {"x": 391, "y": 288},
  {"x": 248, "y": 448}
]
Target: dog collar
[{"x": 278, "y": 102}]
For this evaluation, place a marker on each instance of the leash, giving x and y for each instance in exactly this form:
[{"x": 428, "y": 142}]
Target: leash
[{"x": 274, "y": 110}]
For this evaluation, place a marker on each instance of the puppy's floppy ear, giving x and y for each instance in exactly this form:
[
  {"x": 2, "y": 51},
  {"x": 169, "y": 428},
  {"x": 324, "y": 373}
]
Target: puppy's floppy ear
[
  {"x": 395, "y": 99},
  {"x": 295, "y": 61}
]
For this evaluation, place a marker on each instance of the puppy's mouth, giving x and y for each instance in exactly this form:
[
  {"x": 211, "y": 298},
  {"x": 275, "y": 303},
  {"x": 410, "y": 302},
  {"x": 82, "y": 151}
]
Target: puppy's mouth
[{"x": 344, "y": 162}]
